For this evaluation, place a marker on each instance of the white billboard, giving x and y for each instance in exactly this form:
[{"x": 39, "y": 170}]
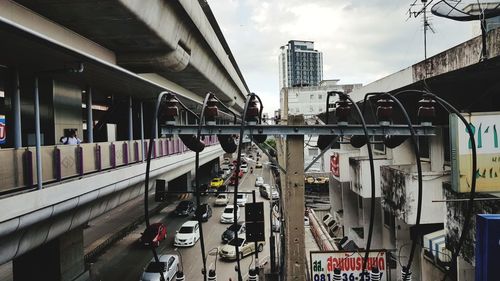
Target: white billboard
[
  {"x": 349, "y": 263},
  {"x": 485, "y": 129}
]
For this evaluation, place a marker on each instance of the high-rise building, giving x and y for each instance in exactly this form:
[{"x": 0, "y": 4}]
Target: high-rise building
[{"x": 300, "y": 64}]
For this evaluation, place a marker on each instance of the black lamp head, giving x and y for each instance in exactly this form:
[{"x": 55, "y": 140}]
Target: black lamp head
[
  {"x": 227, "y": 143},
  {"x": 358, "y": 141},
  {"x": 325, "y": 140},
  {"x": 192, "y": 142}
]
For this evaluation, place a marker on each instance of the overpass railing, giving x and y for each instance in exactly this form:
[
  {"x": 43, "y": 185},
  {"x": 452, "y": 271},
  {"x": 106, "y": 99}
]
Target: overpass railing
[{"x": 61, "y": 162}]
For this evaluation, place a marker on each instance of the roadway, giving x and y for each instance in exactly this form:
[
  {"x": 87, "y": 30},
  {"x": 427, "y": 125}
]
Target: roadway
[{"x": 126, "y": 259}]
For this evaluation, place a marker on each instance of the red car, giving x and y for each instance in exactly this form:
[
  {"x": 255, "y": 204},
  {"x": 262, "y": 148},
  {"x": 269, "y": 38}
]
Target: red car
[{"x": 153, "y": 235}]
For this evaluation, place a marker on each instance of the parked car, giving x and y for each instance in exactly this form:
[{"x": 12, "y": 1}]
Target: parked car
[
  {"x": 229, "y": 233},
  {"x": 216, "y": 182},
  {"x": 184, "y": 208},
  {"x": 228, "y": 216},
  {"x": 228, "y": 251},
  {"x": 221, "y": 200},
  {"x": 258, "y": 165},
  {"x": 153, "y": 234},
  {"x": 188, "y": 234},
  {"x": 241, "y": 199},
  {"x": 231, "y": 166},
  {"x": 244, "y": 168},
  {"x": 259, "y": 181},
  {"x": 167, "y": 264},
  {"x": 203, "y": 213}
]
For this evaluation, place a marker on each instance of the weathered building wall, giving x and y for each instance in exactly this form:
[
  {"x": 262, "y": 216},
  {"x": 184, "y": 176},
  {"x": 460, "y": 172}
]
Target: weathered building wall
[
  {"x": 393, "y": 184},
  {"x": 463, "y": 55},
  {"x": 456, "y": 215}
]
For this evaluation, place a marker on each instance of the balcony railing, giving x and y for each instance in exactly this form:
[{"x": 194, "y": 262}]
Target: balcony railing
[{"x": 60, "y": 162}]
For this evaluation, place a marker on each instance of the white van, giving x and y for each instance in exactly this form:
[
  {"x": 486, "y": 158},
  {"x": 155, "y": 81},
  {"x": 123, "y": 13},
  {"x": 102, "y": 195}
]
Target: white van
[{"x": 244, "y": 168}]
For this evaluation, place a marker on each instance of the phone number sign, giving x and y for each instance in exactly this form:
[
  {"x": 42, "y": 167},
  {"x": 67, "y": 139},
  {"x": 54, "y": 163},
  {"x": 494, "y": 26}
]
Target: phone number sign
[{"x": 350, "y": 264}]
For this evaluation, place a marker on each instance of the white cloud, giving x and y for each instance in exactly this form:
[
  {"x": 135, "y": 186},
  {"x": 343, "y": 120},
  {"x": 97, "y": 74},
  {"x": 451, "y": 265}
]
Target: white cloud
[{"x": 361, "y": 40}]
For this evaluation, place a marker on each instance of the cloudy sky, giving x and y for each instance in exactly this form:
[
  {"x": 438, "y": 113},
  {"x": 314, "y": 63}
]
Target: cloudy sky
[{"x": 361, "y": 40}]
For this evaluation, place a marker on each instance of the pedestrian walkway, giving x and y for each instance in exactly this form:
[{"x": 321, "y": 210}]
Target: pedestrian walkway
[{"x": 102, "y": 228}]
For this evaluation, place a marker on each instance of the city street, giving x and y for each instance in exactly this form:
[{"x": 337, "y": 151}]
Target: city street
[{"x": 126, "y": 259}]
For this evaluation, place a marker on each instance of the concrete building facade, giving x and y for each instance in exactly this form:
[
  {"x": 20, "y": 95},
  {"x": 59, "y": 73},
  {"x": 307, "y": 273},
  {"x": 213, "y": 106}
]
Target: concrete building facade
[
  {"x": 300, "y": 64},
  {"x": 453, "y": 75}
]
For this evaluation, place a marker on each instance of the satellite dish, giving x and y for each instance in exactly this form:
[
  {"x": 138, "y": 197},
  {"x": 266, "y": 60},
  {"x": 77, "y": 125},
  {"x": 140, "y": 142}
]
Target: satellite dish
[{"x": 468, "y": 10}]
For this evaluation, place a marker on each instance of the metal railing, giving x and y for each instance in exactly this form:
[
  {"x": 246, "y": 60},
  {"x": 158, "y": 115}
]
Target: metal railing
[{"x": 60, "y": 162}]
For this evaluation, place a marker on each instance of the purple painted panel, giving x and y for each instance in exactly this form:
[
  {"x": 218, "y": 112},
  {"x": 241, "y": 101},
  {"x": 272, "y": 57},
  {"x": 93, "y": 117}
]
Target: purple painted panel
[
  {"x": 28, "y": 168},
  {"x": 136, "y": 151},
  {"x": 98, "y": 163},
  {"x": 79, "y": 156},
  {"x": 57, "y": 164},
  {"x": 160, "y": 148},
  {"x": 125, "y": 153},
  {"x": 154, "y": 149},
  {"x": 112, "y": 155}
]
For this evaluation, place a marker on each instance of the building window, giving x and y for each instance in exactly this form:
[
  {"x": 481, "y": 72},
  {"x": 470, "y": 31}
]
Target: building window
[
  {"x": 379, "y": 146},
  {"x": 313, "y": 151},
  {"x": 423, "y": 147},
  {"x": 311, "y": 97},
  {"x": 446, "y": 144},
  {"x": 320, "y": 96},
  {"x": 389, "y": 219}
]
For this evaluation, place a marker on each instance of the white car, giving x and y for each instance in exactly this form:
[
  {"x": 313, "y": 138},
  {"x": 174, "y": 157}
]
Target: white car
[
  {"x": 241, "y": 199},
  {"x": 245, "y": 248},
  {"x": 168, "y": 265},
  {"x": 221, "y": 200},
  {"x": 272, "y": 193},
  {"x": 188, "y": 234},
  {"x": 228, "y": 216},
  {"x": 244, "y": 168},
  {"x": 259, "y": 181}
]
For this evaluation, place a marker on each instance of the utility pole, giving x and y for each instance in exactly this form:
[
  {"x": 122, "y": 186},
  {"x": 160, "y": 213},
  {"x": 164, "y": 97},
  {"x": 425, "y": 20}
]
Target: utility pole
[{"x": 292, "y": 183}]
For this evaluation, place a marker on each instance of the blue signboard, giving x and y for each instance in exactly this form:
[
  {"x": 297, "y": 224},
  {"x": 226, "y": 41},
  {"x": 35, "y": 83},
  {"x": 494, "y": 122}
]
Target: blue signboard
[
  {"x": 487, "y": 246},
  {"x": 3, "y": 132}
]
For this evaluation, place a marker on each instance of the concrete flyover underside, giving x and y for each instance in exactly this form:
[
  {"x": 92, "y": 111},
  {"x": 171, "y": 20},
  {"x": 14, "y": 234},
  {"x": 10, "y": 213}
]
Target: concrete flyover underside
[
  {"x": 174, "y": 39},
  {"x": 31, "y": 219}
]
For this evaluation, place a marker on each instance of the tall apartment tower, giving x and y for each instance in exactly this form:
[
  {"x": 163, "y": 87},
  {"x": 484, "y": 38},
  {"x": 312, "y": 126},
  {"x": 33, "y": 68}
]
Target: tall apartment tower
[{"x": 300, "y": 64}]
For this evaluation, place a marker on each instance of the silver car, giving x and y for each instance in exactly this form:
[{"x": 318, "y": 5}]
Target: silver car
[{"x": 168, "y": 265}]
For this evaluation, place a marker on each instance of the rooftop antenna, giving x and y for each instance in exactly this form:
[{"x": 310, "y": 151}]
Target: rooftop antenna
[
  {"x": 469, "y": 10},
  {"x": 427, "y": 26}
]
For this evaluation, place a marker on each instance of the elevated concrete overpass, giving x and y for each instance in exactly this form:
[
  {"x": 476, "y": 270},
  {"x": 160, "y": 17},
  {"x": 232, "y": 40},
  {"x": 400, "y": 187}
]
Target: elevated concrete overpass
[{"x": 130, "y": 50}]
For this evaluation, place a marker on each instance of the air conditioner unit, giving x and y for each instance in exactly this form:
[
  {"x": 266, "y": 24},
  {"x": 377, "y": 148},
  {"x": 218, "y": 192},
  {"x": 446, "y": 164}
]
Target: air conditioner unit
[{"x": 327, "y": 219}]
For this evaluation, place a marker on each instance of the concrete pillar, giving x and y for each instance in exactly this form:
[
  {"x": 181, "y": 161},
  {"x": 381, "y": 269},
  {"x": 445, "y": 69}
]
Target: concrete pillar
[
  {"x": 37, "y": 137},
  {"x": 16, "y": 109},
  {"x": 142, "y": 133},
  {"x": 90, "y": 119},
  {"x": 58, "y": 260},
  {"x": 130, "y": 120}
]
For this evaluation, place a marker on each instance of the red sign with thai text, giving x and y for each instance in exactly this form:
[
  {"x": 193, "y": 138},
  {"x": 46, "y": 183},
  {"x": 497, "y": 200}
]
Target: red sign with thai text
[{"x": 334, "y": 164}]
